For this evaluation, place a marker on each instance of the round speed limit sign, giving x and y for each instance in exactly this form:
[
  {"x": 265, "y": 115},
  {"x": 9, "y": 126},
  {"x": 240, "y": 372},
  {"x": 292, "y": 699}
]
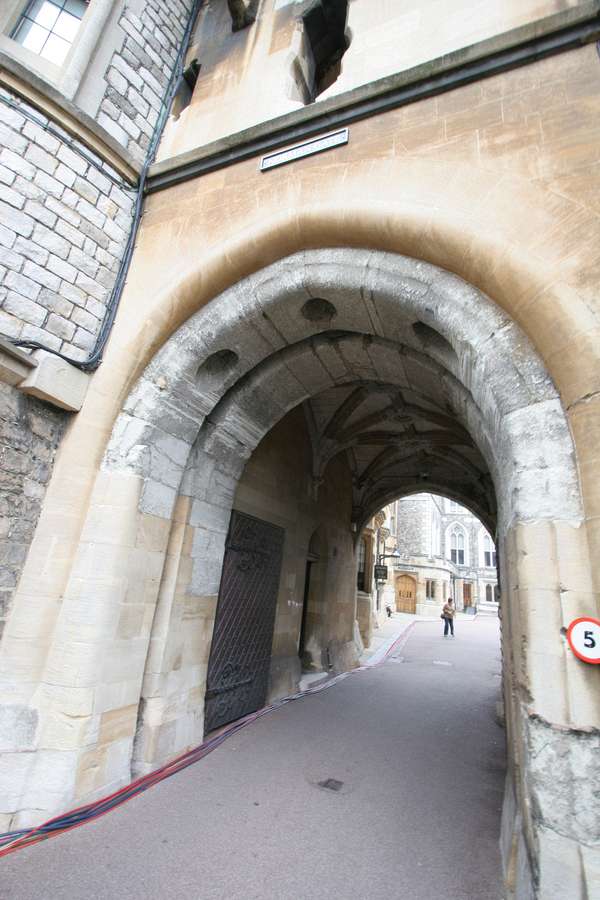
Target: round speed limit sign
[{"x": 584, "y": 639}]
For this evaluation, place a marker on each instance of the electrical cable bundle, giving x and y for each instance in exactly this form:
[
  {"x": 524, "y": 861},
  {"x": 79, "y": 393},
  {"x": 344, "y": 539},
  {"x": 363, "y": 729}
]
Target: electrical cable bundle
[{"x": 12, "y": 841}]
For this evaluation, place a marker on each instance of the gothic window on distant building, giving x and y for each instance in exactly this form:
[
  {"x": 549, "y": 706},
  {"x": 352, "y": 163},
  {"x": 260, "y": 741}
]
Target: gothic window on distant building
[
  {"x": 489, "y": 552},
  {"x": 362, "y": 559},
  {"x": 489, "y": 593},
  {"x": 457, "y": 547},
  {"x": 430, "y": 589},
  {"x": 49, "y": 27}
]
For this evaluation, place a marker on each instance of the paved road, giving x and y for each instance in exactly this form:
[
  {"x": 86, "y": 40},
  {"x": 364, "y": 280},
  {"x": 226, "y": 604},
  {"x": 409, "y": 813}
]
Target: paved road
[{"x": 417, "y": 817}]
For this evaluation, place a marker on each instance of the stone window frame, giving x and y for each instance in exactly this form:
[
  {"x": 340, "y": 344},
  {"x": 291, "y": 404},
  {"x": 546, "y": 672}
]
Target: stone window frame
[
  {"x": 68, "y": 77},
  {"x": 457, "y": 547},
  {"x": 53, "y": 30},
  {"x": 453, "y": 528},
  {"x": 486, "y": 541}
]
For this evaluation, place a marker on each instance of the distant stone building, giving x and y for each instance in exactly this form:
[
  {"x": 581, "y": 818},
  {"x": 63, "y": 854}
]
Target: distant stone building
[{"x": 444, "y": 551}]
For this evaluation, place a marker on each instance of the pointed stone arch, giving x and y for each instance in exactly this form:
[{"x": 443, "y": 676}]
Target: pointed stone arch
[{"x": 197, "y": 413}]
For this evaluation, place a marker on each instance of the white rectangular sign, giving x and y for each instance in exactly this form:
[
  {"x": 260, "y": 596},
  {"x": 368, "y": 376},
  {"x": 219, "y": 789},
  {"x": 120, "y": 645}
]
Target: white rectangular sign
[{"x": 306, "y": 148}]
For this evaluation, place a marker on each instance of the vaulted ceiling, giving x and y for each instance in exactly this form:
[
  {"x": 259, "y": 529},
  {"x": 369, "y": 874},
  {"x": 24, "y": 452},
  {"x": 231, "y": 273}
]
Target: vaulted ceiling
[{"x": 396, "y": 440}]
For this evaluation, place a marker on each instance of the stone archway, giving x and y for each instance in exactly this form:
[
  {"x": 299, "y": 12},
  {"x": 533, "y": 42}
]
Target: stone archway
[
  {"x": 427, "y": 382},
  {"x": 302, "y": 325}
]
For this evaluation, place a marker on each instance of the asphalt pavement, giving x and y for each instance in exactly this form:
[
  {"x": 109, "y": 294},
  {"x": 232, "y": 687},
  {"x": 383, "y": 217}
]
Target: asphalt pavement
[{"x": 386, "y": 785}]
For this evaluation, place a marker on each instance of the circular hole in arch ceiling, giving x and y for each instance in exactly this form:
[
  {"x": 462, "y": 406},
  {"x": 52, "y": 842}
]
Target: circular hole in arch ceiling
[
  {"x": 318, "y": 310},
  {"x": 219, "y": 363},
  {"x": 432, "y": 338}
]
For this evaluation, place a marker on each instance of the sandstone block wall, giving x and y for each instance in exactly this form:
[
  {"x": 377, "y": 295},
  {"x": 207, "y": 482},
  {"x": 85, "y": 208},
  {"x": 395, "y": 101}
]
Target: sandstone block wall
[
  {"x": 140, "y": 70},
  {"x": 412, "y": 525},
  {"x": 385, "y": 37},
  {"x": 65, "y": 216},
  {"x": 276, "y": 487}
]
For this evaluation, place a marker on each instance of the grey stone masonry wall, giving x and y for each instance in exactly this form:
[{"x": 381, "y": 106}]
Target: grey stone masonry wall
[
  {"x": 30, "y": 432},
  {"x": 140, "y": 70},
  {"x": 412, "y": 525},
  {"x": 64, "y": 223},
  {"x": 65, "y": 217}
]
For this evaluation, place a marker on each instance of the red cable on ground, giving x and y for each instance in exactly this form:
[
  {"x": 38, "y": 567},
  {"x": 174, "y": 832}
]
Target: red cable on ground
[{"x": 92, "y": 811}]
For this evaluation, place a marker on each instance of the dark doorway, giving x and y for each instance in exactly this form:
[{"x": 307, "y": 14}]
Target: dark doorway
[
  {"x": 310, "y": 649},
  {"x": 303, "y": 630},
  {"x": 240, "y": 655}
]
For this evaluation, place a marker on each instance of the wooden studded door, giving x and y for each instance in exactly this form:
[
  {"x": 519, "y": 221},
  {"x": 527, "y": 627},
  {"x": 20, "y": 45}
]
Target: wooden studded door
[
  {"x": 467, "y": 595},
  {"x": 406, "y": 594},
  {"x": 240, "y": 654}
]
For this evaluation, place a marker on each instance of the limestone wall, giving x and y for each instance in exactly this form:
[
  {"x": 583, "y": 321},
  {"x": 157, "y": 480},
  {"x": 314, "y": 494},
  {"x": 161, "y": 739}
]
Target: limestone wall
[
  {"x": 30, "y": 432},
  {"x": 118, "y": 68},
  {"x": 276, "y": 486},
  {"x": 494, "y": 182},
  {"x": 65, "y": 215},
  {"x": 413, "y": 525},
  {"x": 138, "y": 75},
  {"x": 385, "y": 37}
]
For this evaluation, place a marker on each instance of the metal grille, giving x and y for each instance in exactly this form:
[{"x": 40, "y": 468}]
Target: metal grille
[{"x": 240, "y": 656}]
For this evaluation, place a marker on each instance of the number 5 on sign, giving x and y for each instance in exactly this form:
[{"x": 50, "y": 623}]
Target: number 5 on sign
[{"x": 584, "y": 639}]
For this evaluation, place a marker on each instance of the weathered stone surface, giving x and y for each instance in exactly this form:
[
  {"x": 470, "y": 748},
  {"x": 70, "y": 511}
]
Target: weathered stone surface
[
  {"x": 30, "y": 432},
  {"x": 55, "y": 380},
  {"x": 55, "y": 195},
  {"x": 452, "y": 179},
  {"x": 560, "y": 864},
  {"x": 564, "y": 779},
  {"x": 138, "y": 75},
  {"x": 18, "y": 725}
]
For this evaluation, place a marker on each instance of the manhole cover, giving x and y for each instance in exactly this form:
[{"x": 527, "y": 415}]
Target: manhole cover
[{"x": 331, "y": 784}]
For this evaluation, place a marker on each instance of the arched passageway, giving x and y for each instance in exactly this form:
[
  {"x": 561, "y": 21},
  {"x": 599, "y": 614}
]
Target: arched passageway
[
  {"x": 307, "y": 396},
  {"x": 311, "y": 394}
]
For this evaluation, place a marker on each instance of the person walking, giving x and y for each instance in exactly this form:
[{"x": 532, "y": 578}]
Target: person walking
[{"x": 448, "y": 613}]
